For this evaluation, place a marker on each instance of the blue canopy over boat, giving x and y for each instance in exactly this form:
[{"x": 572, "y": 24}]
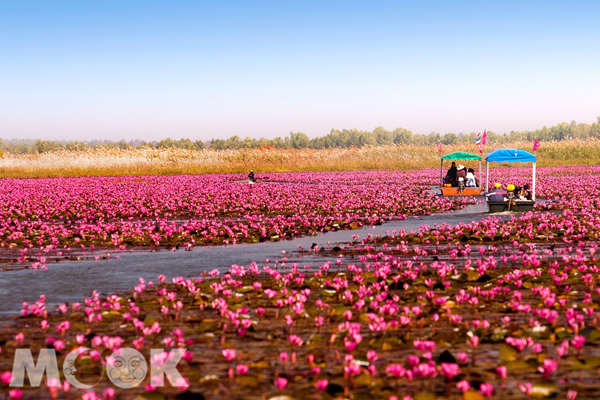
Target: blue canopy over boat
[{"x": 509, "y": 155}]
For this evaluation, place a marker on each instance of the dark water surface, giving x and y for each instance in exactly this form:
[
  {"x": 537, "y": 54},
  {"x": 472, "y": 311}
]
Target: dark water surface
[{"x": 70, "y": 281}]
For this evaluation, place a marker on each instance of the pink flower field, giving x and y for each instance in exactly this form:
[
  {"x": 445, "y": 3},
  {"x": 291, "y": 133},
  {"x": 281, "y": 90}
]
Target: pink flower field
[
  {"x": 496, "y": 308},
  {"x": 58, "y": 215}
]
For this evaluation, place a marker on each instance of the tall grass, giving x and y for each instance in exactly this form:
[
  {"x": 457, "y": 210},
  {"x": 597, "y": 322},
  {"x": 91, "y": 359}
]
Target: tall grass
[{"x": 179, "y": 161}]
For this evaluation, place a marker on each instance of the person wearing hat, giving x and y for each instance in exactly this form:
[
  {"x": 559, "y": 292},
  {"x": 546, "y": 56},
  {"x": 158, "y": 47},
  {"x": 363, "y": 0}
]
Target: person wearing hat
[
  {"x": 511, "y": 196},
  {"x": 251, "y": 176},
  {"x": 461, "y": 174},
  {"x": 496, "y": 194}
]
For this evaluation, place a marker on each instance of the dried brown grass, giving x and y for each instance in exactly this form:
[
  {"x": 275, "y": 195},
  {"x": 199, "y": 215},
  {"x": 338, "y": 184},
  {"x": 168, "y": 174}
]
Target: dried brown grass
[{"x": 179, "y": 161}]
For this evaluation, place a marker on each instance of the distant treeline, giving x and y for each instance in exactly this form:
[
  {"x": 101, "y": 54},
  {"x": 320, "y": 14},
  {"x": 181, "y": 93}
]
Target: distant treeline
[{"x": 336, "y": 138}]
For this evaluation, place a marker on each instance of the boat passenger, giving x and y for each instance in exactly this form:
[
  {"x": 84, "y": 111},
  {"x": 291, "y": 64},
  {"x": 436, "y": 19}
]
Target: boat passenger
[
  {"x": 496, "y": 194},
  {"x": 524, "y": 193},
  {"x": 461, "y": 174},
  {"x": 512, "y": 191},
  {"x": 451, "y": 174},
  {"x": 471, "y": 180},
  {"x": 251, "y": 177}
]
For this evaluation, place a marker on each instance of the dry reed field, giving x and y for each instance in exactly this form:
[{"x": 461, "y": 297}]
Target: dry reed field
[{"x": 179, "y": 161}]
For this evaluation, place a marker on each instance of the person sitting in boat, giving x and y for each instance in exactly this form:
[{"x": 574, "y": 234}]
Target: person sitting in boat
[
  {"x": 471, "y": 180},
  {"x": 512, "y": 191},
  {"x": 451, "y": 175},
  {"x": 524, "y": 193},
  {"x": 461, "y": 175},
  {"x": 251, "y": 177},
  {"x": 496, "y": 194}
]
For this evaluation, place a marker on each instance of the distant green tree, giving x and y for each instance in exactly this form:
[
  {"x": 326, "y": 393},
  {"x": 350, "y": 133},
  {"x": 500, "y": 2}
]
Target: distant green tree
[
  {"x": 122, "y": 144},
  {"x": 449, "y": 138},
  {"x": 166, "y": 143},
  {"x": 433, "y": 138},
  {"x": 77, "y": 146},
  {"x": 299, "y": 140},
  {"x": 44, "y": 146}
]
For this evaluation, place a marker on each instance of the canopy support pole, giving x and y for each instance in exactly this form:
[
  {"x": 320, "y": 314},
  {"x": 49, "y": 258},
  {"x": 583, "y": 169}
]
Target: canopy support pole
[
  {"x": 487, "y": 175},
  {"x": 479, "y": 175},
  {"x": 533, "y": 184},
  {"x": 442, "y": 173}
]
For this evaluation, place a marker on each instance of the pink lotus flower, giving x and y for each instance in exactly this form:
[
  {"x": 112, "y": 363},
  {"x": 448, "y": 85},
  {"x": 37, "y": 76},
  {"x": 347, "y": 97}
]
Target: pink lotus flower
[
  {"x": 486, "y": 389},
  {"x": 352, "y": 369},
  {"x": 6, "y": 377},
  {"x": 108, "y": 393},
  {"x": 449, "y": 370},
  {"x": 241, "y": 369},
  {"x": 350, "y": 345},
  {"x": 502, "y": 371},
  {"x": 526, "y": 388},
  {"x": 284, "y": 357},
  {"x": 229, "y": 354},
  {"x": 90, "y": 395},
  {"x": 280, "y": 383},
  {"x": 19, "y": 337},
  {"x": 473, "y": 341},
  {"x": 321, "y": 384},
  {"x": 578, "y": 342},
  {"x": 372, "y": 356},
  {"x": 548, "y": 367},
  {"x": 295, "y": 340},
  {"x": 395, "y": 370},
  {"x": 463, "y": 386},
  {"x": 59, "y": 345}
]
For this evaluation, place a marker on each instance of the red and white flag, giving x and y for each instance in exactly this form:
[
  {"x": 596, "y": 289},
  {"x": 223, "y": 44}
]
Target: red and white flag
[
  {"x": 536, "y": 144},
  {"x": 481, "y": 138}
]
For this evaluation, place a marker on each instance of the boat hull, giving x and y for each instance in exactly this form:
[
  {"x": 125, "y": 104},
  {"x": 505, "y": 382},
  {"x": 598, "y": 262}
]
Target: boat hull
[
  {"x": 454, "y": 191},
  {"x": 519, "y": 206}
]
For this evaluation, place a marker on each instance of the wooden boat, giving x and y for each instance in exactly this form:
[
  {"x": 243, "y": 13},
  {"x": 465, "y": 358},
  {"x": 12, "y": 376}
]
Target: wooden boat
[
  {"x": 457, "y": 191},
  {"x": 510, "y": 155}
]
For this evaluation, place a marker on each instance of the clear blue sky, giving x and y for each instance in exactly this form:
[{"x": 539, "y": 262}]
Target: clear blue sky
[{"x": 112, "y": 69}]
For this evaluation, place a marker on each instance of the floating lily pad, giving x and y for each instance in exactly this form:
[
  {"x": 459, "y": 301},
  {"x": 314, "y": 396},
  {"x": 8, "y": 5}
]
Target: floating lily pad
[
  {"x": 473, "y": 395},
  {"x": 425, "y": 396},
  {"x": 247, "y": 381},
  {"x": 543, "y": 389},
  {"x": 508, "y": 353},
  {"x": 151, "y": 396}
]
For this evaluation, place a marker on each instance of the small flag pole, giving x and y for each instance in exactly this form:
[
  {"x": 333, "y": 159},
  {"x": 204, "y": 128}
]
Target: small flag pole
[{"x": 441, "y": 165}]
